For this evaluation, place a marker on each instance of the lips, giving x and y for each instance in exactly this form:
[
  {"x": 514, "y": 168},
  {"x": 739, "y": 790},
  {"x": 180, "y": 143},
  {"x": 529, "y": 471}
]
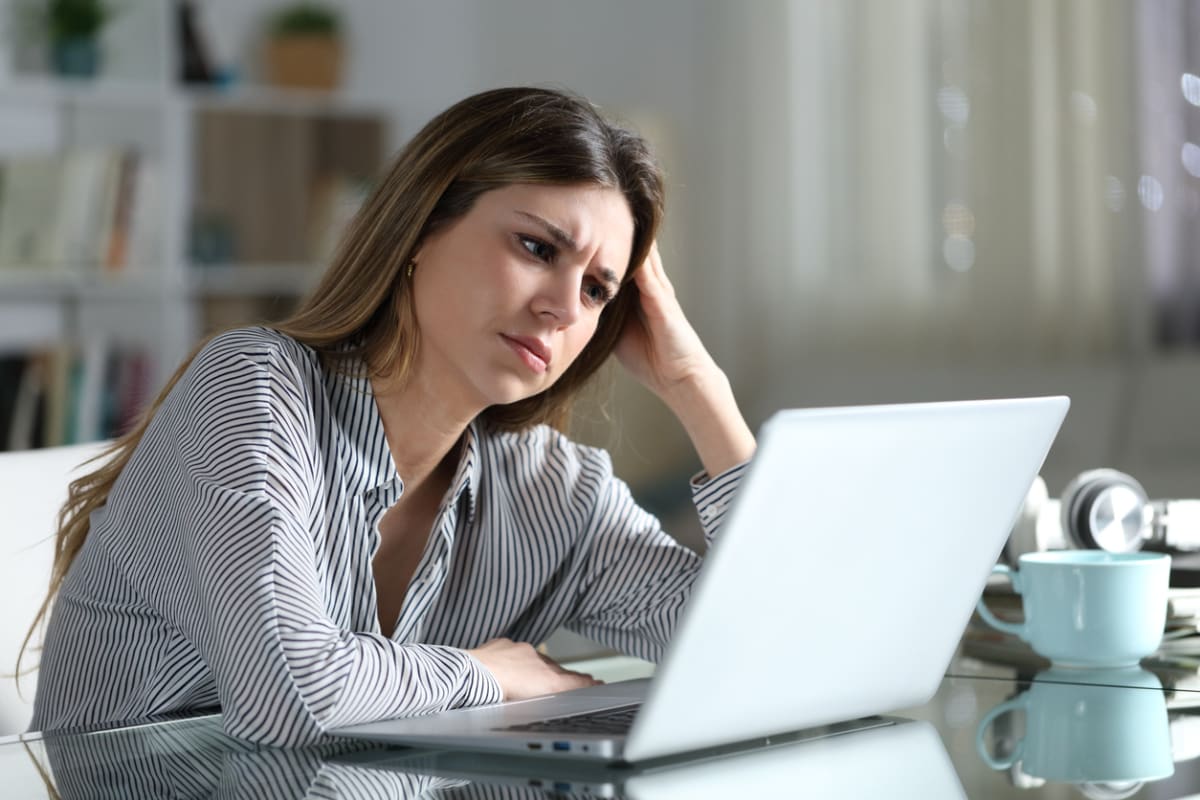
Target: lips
[{"x": 531, "y": 350}]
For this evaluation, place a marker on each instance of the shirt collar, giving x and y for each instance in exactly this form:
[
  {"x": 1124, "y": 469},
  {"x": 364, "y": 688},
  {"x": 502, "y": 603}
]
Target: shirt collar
[
  {"x": 366, "y": 446},
  {"x": 367, "y": 458},
  {"x": 469, "y": 473}
]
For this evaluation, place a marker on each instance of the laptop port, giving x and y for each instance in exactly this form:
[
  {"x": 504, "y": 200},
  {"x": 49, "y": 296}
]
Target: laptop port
[
  {"x": 562, "y": 745},
  {"x": 535, "y": 745}
]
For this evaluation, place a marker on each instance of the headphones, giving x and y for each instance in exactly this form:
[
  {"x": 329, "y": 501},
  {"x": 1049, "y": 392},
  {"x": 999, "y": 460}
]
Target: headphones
[{"x": 1102, "y": 509}]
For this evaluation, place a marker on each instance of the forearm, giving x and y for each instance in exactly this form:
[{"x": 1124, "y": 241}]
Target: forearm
[
  {"x": 291, "y": 690},
  {"x": 284, "y": 671},
  {"x": 636, "y": 577},
  {"x": 636, "y": 585},
  {"x": 708, "y": 411}
]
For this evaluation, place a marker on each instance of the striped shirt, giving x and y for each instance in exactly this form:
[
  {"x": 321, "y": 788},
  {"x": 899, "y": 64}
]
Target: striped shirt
[
  {"x": 231, "y": 565},
  {"x": 192, "y": 758}
]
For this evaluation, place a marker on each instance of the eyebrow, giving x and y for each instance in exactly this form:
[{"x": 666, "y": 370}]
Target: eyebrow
[{"x": 565, "y": 241}]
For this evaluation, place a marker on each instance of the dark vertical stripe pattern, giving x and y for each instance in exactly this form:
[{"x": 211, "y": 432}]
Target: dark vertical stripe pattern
[{"x": 231, "y": 565}]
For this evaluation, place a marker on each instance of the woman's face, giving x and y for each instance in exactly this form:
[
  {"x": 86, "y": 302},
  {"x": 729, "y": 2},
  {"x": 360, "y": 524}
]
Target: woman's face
[{"x": 510, "y": 293}]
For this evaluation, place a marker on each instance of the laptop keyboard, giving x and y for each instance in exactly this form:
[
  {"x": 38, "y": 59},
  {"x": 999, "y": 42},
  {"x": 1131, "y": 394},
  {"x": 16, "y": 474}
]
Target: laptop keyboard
[{"x": 608, "y": 720}]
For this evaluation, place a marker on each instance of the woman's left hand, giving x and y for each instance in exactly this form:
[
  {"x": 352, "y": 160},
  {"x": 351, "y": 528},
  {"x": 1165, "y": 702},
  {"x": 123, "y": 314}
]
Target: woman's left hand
[{"x": 659, "y": 347}]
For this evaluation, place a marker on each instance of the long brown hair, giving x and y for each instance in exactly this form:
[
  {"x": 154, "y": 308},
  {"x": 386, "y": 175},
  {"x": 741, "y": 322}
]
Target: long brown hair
[{"x": 361, "y": 311}]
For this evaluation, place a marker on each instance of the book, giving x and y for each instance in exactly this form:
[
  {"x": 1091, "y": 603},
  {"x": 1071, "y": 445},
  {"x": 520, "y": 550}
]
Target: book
[
  {"x": 84, "y": 172},
  {"x": 77, "y": 210},
  {"x": 90, "y": 361},
  {"x": 119, "y": 226},
  {"x": 12, "y": 369},
  {"x": 146, "y": 248},
  {"x": 70, "y": 394},
  {"x": 22, "y": 425},
  {"x": 28, "y": 207},
  {"x": 98, "y": 225}
]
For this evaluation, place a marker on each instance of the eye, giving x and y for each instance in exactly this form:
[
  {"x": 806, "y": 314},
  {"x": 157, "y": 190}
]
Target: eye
[
  {"x": 598, "y": 294},
  {"x": 540, "y": 250}
]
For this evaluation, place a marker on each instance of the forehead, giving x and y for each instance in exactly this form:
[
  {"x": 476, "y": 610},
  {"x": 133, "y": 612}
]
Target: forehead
[{"x": 597, "y": 219}]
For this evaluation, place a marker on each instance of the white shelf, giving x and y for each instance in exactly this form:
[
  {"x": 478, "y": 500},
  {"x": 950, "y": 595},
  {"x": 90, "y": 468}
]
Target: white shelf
[
  {"x": 252, "y": 280},
  {"x": 32, "y": 283},
  {"x": 99, "y": 93},
  {"x": 108, "y": 93},
  {"x": 271, "y": 100},
  {"x": 31, "y": 325},
  {"x": 162, "y": 301}
]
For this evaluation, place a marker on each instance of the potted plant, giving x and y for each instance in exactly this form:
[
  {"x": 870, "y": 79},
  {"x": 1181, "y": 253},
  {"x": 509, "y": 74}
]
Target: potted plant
[
  {"x": 304, "y": 47},
  {"x": 73, "y": 28}
]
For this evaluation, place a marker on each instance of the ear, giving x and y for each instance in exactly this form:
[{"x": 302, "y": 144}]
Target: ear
[{"x": 419, "y": 248}]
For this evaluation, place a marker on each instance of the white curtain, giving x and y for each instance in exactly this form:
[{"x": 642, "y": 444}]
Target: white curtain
[
  {"x": 941, "y": 179},
  {"x": 1169, "y": 121}
]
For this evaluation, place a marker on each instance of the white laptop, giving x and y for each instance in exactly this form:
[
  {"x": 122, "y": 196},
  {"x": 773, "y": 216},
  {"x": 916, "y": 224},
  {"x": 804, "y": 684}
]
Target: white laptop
[
  {"x": 837, "y": 589},
  {"x": 902, "y": 759}
]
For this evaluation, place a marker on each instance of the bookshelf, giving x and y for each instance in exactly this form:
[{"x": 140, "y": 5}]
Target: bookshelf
[{"x": 138, "y": 215}]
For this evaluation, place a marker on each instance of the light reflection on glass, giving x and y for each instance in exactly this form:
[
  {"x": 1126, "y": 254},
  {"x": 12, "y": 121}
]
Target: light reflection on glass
[
  {"x": 1083, "y": 106},
  {"x": 958, "y": 220},
  {"x": 954, "y": 105},
  {"x": 1191, "y": 88},
  {"x": 1150, "y": 192},
  {"x": 1190, "y": 156},
  {"x": 959, "y": 252},
  {"x": 1114, "y": 193},
  {"x": 955, "y": 141}
]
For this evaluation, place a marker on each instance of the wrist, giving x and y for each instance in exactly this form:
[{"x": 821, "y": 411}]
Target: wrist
[
  {"x": 706, "y": 407},
  {"x": 694, "y": 393}
]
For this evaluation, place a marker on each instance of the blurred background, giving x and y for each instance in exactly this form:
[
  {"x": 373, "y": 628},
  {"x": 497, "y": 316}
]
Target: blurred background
[{"x": 870, "y": 200}]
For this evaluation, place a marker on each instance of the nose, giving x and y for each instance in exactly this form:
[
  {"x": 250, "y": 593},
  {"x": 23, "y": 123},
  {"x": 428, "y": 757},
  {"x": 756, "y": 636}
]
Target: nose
[{"x": 558, "y": 298}]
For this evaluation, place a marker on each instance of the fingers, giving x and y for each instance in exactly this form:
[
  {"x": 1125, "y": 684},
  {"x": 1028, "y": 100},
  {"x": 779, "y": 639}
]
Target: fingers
[
  {"x": 559, "y": 669},
  {"x": 652, "y": 276},
  {"x": 658, "y": 300},
  {"x": 524, "y": 672}
]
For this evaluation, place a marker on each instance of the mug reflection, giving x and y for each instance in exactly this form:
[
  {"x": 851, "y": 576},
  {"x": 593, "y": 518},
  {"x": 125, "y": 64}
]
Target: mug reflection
[{"x": 1104, "y": 730}]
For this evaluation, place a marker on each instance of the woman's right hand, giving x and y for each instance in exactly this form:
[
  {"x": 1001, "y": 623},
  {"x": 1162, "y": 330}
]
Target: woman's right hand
[{"x": 523, "y": 672}]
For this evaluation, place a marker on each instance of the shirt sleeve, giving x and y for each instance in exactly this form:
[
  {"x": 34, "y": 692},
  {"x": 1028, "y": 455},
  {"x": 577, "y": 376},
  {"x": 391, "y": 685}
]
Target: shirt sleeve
[
  {"x": 712, "y": 497},
  {"x": 638, "y": 578},
  {"x": 250, "y": 599}
]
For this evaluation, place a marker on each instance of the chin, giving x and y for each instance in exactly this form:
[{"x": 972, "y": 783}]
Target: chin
[{"x": 509, "y": 392}]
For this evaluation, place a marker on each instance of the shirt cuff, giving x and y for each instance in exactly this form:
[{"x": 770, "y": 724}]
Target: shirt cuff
[
  {"x": 480, "y": 688},
  {"x": 712, "y": 496}
]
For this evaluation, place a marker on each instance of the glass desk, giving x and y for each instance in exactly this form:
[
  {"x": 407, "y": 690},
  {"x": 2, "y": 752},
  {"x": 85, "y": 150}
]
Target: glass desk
[{"x": 989, "y": 732}]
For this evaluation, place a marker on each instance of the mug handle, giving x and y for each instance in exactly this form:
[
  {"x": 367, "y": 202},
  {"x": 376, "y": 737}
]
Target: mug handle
[
  {"x": 981, "y": 731},
  {"x": 989, "y": 617}
]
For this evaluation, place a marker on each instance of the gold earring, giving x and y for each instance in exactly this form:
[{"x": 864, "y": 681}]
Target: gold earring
[{"x": 412, "y": 264}]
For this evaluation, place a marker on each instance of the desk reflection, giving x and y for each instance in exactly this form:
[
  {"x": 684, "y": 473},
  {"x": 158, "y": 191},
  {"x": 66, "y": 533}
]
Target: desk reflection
[
  {"x": 1105, "y": 730},
  {"x": 192, "y": 758},
  {"x": 904, "y": 759}
]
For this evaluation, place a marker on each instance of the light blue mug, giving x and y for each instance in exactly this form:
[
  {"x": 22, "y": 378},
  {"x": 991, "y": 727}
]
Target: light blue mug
[
  {"x": 1089, "y": 608},
  {"x": 1088, "y": 727}
]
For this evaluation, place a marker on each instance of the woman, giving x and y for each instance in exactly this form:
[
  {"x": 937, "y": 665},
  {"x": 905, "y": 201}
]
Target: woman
[{"x": 367, "y": 511}]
